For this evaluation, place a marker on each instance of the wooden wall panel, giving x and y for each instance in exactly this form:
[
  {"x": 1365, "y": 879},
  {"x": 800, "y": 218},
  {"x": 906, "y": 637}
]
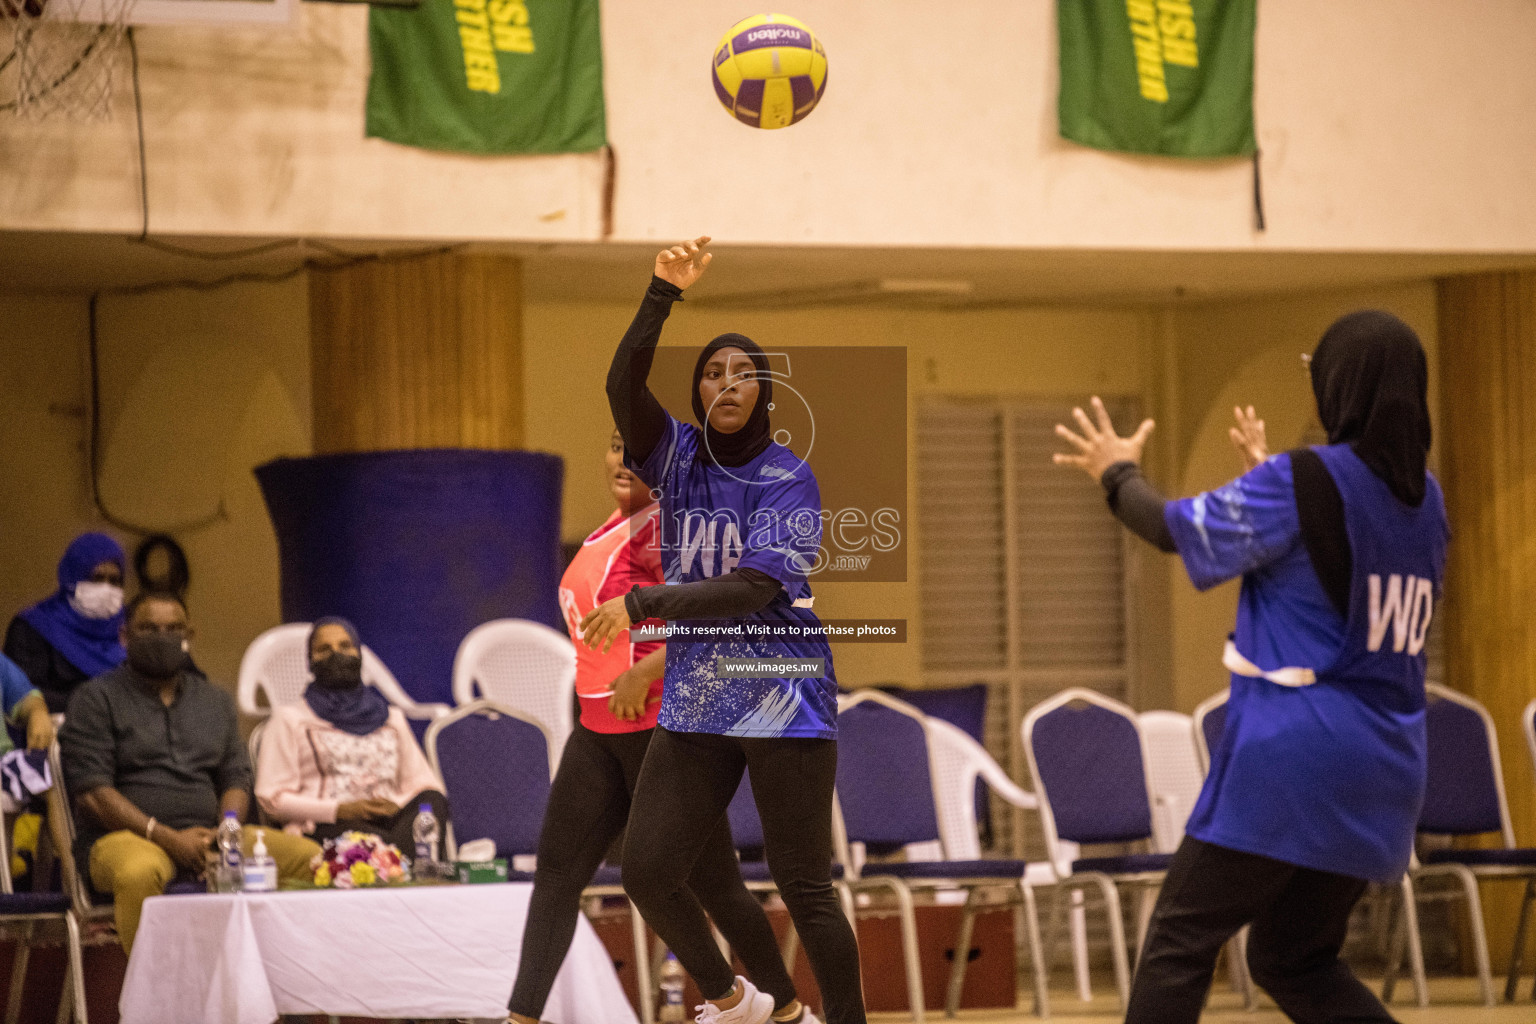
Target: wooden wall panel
[
  {"x": 417, "y": 352},
  {"x": 1488, "y": 455}
]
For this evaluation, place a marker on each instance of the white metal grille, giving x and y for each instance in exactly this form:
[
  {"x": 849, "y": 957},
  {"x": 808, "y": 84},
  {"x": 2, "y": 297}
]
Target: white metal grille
[{"x": 1022, "y": 574}]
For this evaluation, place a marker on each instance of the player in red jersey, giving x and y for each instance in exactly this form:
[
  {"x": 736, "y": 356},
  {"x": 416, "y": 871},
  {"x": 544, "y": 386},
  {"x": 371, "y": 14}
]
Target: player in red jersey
[{"x": 620, "y": 693}]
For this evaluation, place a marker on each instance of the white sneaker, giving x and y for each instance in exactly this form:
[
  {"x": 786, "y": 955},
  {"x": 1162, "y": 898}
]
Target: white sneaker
[
  {"x": 809, "y": 1018},
  {"x": 754, "y": 1008}
]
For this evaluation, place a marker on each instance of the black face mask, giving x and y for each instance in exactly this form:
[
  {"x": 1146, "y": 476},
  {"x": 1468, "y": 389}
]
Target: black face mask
[
  {"x": 338, "y": 671},
  {"x": 157, "y": 655}
]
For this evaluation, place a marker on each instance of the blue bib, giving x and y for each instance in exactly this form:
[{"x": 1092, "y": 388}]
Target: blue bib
[{"x": 1328, "y": 775}]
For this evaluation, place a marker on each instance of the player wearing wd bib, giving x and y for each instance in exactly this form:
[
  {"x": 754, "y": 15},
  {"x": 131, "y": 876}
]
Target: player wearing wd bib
[
  {"x": 1322, "y": 760},
  {"x": 740, "y": 531},
  {"x": 589, "y": 799},
  {"x": 1316, "y": 785}
]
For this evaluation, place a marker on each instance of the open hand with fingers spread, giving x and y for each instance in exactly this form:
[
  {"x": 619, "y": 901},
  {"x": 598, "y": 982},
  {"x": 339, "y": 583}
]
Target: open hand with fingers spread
[
  {"x": 1248, "y": 437},
  {"x": 1098, "y": 446},
  {"x": 683, "y": 264}
]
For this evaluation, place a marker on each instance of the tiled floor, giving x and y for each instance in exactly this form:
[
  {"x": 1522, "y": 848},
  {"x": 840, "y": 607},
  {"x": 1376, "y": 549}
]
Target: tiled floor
[{"x": 1452, "y": 1001}]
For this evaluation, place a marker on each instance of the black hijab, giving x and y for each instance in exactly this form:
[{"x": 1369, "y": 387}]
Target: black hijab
[
  {"x": 1371, "y": 381},
  {"x": 360, "y": 710},
  {"x": 746, "y": 444}
]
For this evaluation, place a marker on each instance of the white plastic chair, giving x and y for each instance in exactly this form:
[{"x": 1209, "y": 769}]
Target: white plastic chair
[
  {"x": 520, "y": 664},
  {"x": 276, "y": 665},
  {"x": 1177, "y": 762},
  {"x": 1173, "y": 774}
]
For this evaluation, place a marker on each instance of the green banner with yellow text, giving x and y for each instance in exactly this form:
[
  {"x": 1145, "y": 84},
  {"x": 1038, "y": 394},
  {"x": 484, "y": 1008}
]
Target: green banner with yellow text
[
  {"x": 488, "y": 76},
  {"x": 1172, "y": 77}
]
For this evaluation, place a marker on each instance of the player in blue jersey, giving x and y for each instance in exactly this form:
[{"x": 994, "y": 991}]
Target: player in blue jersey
[
  {"x": 740, "y": 535},
  {"x": 1316, "y": 785}
]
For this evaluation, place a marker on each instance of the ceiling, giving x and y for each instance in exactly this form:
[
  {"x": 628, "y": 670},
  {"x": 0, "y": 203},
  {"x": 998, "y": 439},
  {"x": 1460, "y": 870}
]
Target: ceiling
[{"x": 759, "y": 275}]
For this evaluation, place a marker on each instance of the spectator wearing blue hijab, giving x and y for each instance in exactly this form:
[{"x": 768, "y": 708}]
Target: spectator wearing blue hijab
[{"x": 73, "y": 635}]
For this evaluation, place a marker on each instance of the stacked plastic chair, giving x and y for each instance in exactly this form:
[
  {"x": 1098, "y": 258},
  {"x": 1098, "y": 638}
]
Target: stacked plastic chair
[{"x": 520, "y": 664}]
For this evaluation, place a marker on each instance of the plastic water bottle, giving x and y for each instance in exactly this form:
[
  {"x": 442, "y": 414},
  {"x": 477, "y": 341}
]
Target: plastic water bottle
[
  {"x": 424, "y": 831},
  {"x": 228, "y": 871},
  {"x": 261, "y": 869},
  {"x": 671, "y": 1010}
]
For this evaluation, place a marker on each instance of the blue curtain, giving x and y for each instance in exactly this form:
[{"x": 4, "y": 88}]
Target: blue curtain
[{"x": 417, "y": 548}]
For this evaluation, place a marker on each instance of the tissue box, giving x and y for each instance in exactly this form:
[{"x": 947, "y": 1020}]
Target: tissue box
[{"x": 472, "y": 872}]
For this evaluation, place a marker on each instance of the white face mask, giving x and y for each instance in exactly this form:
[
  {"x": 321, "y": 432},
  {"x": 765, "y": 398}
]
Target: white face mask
[{"x": 97, "y": 600}]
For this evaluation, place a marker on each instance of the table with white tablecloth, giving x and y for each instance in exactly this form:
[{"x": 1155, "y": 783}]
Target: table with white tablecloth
[{"x": 413, "y": 951}]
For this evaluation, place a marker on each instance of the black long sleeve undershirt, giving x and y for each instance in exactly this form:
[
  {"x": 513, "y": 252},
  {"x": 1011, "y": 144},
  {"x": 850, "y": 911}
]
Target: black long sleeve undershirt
[
  {"x": 642, "y": 422},
  {"x": 1137, "y": 504},
  {"x": 735, "y": 595},
  {"x": 636, "y": 412}
]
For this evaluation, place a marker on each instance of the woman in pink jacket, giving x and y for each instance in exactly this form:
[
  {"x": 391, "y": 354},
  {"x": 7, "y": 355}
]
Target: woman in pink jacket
[{"x": 343, "y": 758}]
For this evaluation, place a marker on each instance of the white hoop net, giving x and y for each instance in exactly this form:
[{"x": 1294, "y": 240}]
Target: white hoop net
[{"x": 63, "y": 57}]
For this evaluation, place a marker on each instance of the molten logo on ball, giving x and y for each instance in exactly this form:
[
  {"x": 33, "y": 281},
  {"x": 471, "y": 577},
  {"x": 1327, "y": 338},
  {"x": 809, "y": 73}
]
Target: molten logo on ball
[{"x": 769, "y": 71}]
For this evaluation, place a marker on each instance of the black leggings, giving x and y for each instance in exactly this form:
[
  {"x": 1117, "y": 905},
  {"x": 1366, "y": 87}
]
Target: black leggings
[
  {"x": 684, "y": 790},
  {"x": 588, "y": 807},
  {"x": 396, "y": 830},
  {"x": 1299, "y": 917}
]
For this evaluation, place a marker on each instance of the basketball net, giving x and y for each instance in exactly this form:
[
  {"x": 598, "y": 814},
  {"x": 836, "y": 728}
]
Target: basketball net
[{"x": 61, "y": 65}]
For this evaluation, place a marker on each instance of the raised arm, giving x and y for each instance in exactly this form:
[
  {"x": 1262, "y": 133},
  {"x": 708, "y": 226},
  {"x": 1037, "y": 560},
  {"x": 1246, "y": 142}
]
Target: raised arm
[
  {"x": 1115, "y": 462},
  {"x": 636, "y": 412}
]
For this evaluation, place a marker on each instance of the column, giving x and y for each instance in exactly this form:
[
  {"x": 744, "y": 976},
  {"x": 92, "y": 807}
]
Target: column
[
  {"x": 417, "y": 352},
  {"x": 1488, "y": 457}
]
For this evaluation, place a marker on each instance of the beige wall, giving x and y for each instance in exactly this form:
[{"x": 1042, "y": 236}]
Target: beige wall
[
  {"x": 1249, "y": 353},
  {"x": 197, "y": 388},
  {"x": 1384, "y": 126}
]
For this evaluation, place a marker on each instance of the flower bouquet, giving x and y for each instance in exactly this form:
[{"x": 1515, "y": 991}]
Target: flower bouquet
[{"x": 356, "y": 859}]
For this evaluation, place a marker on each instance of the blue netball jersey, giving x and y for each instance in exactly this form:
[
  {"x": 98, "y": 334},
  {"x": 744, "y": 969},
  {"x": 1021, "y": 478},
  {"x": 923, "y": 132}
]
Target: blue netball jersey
[
  {"x": 1328, "y": 775},
  {"x": 764, "y": 515}
]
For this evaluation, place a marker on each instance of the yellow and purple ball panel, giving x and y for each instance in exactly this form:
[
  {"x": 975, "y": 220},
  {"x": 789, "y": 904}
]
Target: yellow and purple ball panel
[{"x": 770, "y": 71}]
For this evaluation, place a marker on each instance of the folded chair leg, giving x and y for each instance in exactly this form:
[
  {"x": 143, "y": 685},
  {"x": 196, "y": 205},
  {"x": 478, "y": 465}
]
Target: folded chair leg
[
  {"x": 1059, "y": 897},
  {"x": 850, "y": 910},
  {"x": 1237, "y": 952},
  {"x": 962, "y": 955},
  {"x": 643, "y": 990},
  {"x": 1146, "y": 897},
  {"x": 1517, "y": 951},
  {"x": 1036, "y": 953},
  {"x": 1116, "y": 939},
  {"x": 19, "y": 974},
  {"x": 1479, "y": 935},
  {"x": 791, "y": 947},
  {"x": 1079, "y": 929},
  {"x": 909, "y": 951},
  {"x": 76, "y": 968}
]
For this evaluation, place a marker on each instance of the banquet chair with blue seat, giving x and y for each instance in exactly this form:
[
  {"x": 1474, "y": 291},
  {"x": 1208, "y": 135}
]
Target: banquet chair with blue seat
[
  {"x": 1465, "y": 796},
  {"x": 898, "y": 785},
  {"x": 23, "y": 913},
  {"x": 1089, "y": 768},
  {"x": 496, "y": 764}
]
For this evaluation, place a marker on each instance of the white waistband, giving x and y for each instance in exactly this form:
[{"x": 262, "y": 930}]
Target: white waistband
[{"x": 1233, "y": 661}]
